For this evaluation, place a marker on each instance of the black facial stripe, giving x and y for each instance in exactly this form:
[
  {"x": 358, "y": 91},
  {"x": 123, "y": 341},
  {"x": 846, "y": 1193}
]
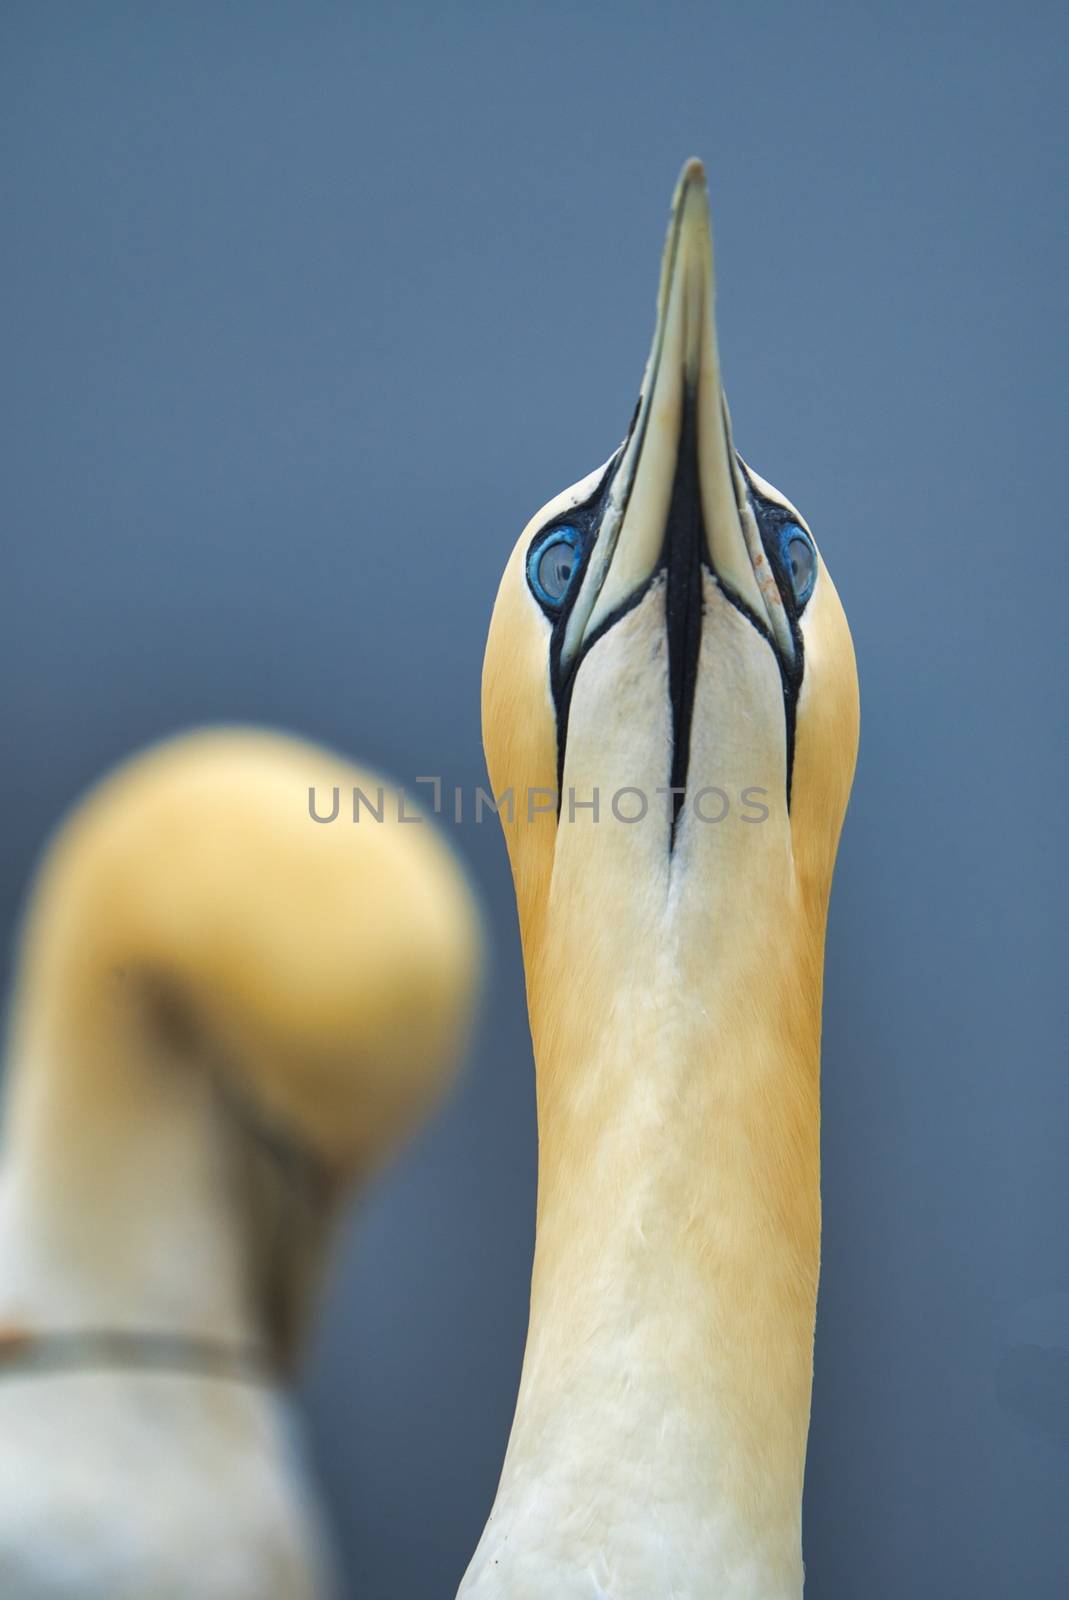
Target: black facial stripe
[
  {"x": 681, "y": 555},
  {"x": 771, "y": 519},
  {"x": 587, "y": 517}
]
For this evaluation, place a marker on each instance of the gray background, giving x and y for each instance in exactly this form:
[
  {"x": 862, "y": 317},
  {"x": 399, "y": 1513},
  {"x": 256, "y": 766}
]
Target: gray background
[{"x": 305, "y": 309}]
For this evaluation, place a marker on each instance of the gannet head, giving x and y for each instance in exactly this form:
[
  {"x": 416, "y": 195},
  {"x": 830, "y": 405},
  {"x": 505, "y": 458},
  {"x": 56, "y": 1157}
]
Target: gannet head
[
  {"x": 667, "y": 634},
  {"x": 198, "y": 951}
]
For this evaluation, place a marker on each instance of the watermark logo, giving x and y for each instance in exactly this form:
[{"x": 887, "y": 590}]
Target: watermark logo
[{"x": 630, "y": 804}]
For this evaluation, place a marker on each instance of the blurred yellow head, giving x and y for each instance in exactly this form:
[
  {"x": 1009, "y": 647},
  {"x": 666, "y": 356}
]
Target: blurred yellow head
[
  {"x": 201, "y": 953},
  {"x": 329, "y": 970}
]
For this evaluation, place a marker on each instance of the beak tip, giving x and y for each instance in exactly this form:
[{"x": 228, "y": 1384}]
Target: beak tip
[
  {"x": 691, "y": 187},
  {"x": 690, "y": 203}
]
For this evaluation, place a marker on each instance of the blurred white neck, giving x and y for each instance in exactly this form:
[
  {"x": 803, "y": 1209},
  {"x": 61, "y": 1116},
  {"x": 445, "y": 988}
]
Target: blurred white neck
[{"x": 116, "y": 1209}]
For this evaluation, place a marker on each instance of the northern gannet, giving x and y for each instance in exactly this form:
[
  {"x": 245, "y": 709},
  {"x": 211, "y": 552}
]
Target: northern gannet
[
  {"x": 224, "y": 1016},
  {"x": 667, "y": 645}
]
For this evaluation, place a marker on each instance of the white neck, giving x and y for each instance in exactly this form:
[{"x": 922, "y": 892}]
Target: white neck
[
  {"x": 117, "y": 1208},
  {"x": 116, "y": 1214},
  {"x": 659, "y": 1440}
]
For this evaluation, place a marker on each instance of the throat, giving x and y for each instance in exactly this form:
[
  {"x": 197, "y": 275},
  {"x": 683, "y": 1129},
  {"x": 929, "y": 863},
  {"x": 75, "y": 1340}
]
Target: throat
[
  {"x": 119, "y": 1210},
  {"x": 659, "y": 1437}
]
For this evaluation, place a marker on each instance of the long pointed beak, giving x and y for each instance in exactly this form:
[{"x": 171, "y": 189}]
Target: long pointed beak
[{"x": 678, "y": 478}]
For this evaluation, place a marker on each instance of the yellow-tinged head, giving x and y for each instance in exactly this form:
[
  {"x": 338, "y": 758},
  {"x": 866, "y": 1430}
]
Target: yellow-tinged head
[
  {"x": 667, "y": 636},
  {"x": 216, "y": 992},
  {"x": 331, "y": 970}
]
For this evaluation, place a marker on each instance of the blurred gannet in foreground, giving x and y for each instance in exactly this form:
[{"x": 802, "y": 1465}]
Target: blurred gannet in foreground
[
  {"x": 666, "y": 634},
  {"x": 224, "y": 1016}
]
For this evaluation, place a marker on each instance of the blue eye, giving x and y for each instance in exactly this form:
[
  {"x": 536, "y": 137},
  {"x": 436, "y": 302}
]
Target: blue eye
[
  {"x": 552, "y": 565},
  {"x": 799, "y": 561}
]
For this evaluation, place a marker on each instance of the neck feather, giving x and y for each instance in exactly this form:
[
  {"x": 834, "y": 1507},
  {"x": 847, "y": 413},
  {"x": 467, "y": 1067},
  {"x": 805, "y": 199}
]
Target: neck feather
[
  {"x": 659, "y": 1438},
  {"x": 120, "y": 1202}
]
